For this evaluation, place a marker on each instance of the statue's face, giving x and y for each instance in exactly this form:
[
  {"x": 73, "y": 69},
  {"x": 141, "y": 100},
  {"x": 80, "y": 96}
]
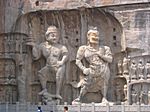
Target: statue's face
[
  {"x": 53, "y": 37},
  {"x": 93, "y": 38}
]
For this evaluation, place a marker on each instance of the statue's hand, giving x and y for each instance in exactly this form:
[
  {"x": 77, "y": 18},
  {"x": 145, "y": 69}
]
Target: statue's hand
[
  {"x": 100, "y": 52},
  {"x": 59, "y": 63},
  {"x": 86, "y": 71}
]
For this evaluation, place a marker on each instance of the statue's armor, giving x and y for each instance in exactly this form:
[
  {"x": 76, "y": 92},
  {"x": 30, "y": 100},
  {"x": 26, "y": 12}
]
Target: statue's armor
[
  {"x": 99, "y": 70},
  {"x": 97, "y": 65}
]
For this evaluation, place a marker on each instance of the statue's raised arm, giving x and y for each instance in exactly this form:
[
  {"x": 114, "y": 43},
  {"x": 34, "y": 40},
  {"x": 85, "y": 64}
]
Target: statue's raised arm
[{"x": 107, "y": 56}]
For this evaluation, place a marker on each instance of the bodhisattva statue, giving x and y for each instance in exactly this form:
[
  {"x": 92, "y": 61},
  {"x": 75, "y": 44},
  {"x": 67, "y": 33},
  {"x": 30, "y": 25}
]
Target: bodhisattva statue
[
  {"x": 97, "y": 73},
  {"x": 56, "y": 56}
]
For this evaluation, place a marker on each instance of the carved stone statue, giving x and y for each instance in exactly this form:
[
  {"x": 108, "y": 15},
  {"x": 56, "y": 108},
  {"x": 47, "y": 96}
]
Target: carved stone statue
[
  {"x": 147, "y": 70},
  {"x": 22, "y": 82},
  {"x": 134, "y": 97},
  {"x": 125, "y": 66},
  {"x": 144, "y": 94},
  {"x": 133, "y": 70},
  {"x": 119, "y": 65},
  {"x": 140, "y": 69},
  {"x": 97, "y": 72},
  {"x": 125, "y": 92},
  {"x": 144, "y": 97},
  {"x": 56, "y": 56}
]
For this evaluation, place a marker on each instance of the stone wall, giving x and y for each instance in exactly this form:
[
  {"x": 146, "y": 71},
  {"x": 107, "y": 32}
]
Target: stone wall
[{"x": 136, "y": 26}]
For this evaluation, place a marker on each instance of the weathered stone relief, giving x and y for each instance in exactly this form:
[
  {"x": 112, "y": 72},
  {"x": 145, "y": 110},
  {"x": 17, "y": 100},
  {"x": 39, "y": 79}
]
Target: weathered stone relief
[
  {"x": 72, "y": 34},
  {"x": 73, "y": 27},
  {"x": 10, "y": 55},
  {"x": 56, "y": 56},
  {"x": 136, "y": 89},
  {"x": 96, "y": 73}
]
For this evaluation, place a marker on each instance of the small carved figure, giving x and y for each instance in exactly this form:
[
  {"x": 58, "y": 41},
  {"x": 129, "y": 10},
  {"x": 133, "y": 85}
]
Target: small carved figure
[
  {"x": 147, "y": 70},
  {"x": 144, "y": 98},
  {"x": 97, "y": 73},
  {"x": 135, "y": 93},
  {"x": 133, "y": 70},
  {"x": 119, "y": 65},
  {"x": 22, "y": 82},
  {"x": 134, "y": 97},
  {"x": 140, "y": 69},
  {"x": 125, "y": 66},
  {"x": 56, "y": 56},
  {"x": 125, "y": 92}
]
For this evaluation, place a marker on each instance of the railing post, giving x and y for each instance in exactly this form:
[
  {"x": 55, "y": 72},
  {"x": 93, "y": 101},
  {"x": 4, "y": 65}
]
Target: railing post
[
  {"x": 107, "y": 107},
  {"x": 79, "y": 108},
  {"x": 17, "y": 106},
  {"x": 139, "y": 108},
  {"x": 93, "y": 107},
  {"x": 54, "y": 106},
  {"x": 122, "y": 107},
  {"x": 6, "y": 107},
  {"x": 28, "y": 106}
]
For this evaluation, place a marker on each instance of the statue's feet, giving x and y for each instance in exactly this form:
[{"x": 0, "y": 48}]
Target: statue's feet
[
  {"x": 141, "y": 78},
  {"x": 43, "y": 91},
  {"x": 105, "y": 101},
  {"x": 77, "y": 100},
  {"x": 58, "y": 96}
]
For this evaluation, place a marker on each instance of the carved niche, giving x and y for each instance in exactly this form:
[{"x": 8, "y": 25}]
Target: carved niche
[
  {"x": 73, "y": 26},
  {"x": 138, "y": 85}
]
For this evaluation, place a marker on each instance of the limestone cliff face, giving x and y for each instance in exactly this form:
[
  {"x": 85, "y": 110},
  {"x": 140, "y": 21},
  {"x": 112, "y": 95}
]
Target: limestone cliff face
[
  {"x": 10, "y": 11},
  {"x": 136, "y": 24}
]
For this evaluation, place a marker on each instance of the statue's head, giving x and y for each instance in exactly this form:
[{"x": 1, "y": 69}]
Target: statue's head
[
  {"x": 133, "y": 62},
  {"x": 140, "y": 61},
  {"x": 52, "y": 35},
  {"x": 93, "y": 35}
]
